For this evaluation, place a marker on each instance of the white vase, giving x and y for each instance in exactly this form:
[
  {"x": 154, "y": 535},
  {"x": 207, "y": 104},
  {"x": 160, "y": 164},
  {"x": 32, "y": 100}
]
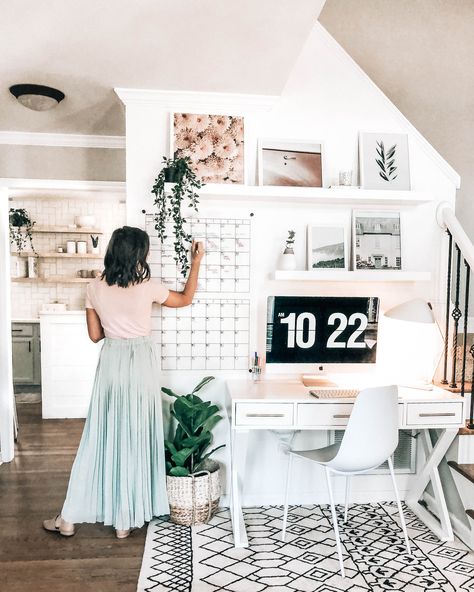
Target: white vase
[
  {"x": 287, "y": 260},
  {"x": 32, "y": 267},
  {"x": 18, "y": 266},
  {"x": 95, "y": 250}
]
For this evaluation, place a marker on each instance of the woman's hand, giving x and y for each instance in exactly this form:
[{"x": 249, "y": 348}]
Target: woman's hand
[{"x": 197, "y": 251}]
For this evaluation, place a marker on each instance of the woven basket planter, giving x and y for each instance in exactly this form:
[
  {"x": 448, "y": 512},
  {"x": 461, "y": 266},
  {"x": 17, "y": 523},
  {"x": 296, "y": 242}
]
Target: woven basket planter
[{"x": 194, "y": 499}]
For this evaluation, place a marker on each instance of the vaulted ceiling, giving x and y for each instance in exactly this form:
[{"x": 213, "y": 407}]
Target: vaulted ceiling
[{"x": 87, "y": 48}]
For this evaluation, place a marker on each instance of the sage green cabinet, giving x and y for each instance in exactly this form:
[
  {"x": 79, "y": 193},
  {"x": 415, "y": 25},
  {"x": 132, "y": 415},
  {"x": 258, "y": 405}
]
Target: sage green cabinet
[{"x": 26, "y": 351}]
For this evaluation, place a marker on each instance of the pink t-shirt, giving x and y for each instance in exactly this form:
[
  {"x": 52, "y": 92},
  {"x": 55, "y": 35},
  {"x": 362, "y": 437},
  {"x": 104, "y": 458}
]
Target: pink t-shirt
[{"x": 125, "y": 312}]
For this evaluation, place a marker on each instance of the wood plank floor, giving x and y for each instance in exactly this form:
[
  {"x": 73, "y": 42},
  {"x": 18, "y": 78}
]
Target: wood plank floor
[{"x": 32, "y": 488}]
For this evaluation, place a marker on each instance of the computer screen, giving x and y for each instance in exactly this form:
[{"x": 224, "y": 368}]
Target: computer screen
[{"x": 321, "y": 329}]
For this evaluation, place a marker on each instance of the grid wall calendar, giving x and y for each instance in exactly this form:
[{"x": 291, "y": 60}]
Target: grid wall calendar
[
  {"x": 226, "y": 266},
  {"x": 212, "y": 333}
]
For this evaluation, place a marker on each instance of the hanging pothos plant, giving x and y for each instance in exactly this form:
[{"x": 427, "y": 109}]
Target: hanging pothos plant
[
  {"x": 176, "y": 170},
  {"x": 21, "y": 226}
]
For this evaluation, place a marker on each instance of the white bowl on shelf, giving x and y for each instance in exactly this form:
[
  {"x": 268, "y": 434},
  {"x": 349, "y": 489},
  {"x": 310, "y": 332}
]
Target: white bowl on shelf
[{"x": 85, "y": 221}]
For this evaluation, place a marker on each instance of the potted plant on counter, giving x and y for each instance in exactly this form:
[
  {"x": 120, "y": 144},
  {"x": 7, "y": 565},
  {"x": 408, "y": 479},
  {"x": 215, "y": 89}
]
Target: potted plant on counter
[
  {"x": 192, "y": 477},
  {"x": 169, "y": 203}
]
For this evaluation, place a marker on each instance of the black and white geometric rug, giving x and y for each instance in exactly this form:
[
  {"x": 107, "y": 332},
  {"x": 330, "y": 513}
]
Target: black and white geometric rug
[{"x": 203, "y": 559}]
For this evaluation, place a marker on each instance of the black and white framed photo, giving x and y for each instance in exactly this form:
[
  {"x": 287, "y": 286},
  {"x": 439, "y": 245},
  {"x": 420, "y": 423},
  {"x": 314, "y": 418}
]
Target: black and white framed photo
[
  {"x": 327, "y": 247},
  {"x": 290, "y": 163},
  {"x": 376, "y": 240},
  {"x": 384, "y": 161}
]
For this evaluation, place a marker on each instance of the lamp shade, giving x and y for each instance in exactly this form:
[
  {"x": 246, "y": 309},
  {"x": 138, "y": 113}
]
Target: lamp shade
[
  {"x": 36, "y": 96},
  {"x": 415, "y": 311}
]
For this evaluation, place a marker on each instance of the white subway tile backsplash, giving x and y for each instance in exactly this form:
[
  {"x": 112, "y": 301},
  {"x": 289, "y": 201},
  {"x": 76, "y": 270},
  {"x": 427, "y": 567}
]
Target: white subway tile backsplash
[{"x": 28, "y": 297}]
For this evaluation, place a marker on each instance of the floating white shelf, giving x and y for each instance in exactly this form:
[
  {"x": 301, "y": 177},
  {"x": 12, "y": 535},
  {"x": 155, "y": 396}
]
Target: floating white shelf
[
  {"x": 314, "y": 195},
  {"x": 66, "y": 230},
  {"x": 334, "y": 275},
  {"x": 54, "y": 255},
  {"x": 53, "y": 280}
]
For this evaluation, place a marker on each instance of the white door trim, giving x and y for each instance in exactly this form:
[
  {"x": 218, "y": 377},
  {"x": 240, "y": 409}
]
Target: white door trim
[{"x": 6, "y": 374}]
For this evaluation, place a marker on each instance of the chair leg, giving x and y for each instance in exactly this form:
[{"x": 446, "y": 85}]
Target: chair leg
[
  {"x": 287, "y": 491},
  {"x": 348, "y": 491},
  {"x": 399, "y": 505},
  {"x": 334, "y": 522}
]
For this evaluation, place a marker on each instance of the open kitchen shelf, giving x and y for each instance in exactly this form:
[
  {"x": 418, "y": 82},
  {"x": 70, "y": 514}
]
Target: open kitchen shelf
[
  {"x": 53, "y": 279},
  {"x": 66, "y": 230},
  {"x": 54, "y": 255}
]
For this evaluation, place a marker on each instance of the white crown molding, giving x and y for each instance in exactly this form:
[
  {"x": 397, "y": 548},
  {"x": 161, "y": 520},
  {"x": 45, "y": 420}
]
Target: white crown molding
[
  {"x": 198, "y": 102},
  {"x": 62, "y": 184},
  {"x": 433, "y": 154},
  {"x": 13, "y": 138}
]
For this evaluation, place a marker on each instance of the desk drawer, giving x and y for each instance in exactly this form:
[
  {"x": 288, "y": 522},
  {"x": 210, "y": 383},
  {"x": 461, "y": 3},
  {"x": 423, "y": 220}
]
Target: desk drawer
[
  {"x": 434, "y": 414},
  {"x": 323, "y": 414},
  {"x": 331, "y": 414},
  {"x": 263, "y": 414}
]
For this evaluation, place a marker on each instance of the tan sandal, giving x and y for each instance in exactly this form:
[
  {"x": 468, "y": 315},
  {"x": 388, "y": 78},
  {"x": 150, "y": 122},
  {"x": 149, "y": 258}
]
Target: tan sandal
[
  {"x": 122, "y": 534},
  {"x": 57, "y": 524}
]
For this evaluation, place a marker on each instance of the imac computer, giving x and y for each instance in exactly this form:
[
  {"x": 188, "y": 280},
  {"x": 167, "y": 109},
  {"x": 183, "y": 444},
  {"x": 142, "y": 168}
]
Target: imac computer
[{"x": 321, "y": 330}]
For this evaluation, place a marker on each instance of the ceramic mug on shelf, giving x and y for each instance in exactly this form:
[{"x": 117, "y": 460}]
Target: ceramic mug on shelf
[
  {"x": 83, "y": 273},
  {"x": 95, "y": 273}
]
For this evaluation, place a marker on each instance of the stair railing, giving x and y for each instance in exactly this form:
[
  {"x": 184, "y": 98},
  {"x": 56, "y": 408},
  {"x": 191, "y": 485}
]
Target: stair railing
[{"x": 460, "y": 263}]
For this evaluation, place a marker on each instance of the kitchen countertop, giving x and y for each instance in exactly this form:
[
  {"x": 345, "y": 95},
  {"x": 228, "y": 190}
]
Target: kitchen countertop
[{"x": 63, "y": 312}]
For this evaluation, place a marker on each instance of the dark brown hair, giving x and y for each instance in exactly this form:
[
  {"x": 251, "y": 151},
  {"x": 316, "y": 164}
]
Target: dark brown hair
[{"x": 125, "y": 258}]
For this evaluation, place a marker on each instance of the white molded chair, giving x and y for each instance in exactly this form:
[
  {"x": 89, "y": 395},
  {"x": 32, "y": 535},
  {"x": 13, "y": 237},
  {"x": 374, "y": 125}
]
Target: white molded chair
[{"x": 370, "y": 438}]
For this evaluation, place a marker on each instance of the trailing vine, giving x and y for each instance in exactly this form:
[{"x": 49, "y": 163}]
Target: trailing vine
[
  {"x": 21, "y": 225},
  {"x": 169, "y": 204}
]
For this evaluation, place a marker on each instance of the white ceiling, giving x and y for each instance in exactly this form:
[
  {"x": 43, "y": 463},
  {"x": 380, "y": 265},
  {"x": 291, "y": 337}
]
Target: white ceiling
[{"x": 87, "y": 48}]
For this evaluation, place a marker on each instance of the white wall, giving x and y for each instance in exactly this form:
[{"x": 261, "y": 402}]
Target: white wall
[{"x": 327, "y": 98}]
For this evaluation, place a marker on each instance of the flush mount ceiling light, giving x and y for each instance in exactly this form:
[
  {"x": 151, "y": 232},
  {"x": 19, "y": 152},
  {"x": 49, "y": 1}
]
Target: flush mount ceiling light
[{"x": 36, "y": 96}]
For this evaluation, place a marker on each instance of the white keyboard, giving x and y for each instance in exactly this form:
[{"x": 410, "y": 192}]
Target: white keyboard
[{"x": 333, "y": 393}]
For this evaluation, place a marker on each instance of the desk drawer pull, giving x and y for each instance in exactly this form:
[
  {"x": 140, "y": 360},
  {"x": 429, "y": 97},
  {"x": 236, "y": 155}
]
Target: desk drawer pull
[
  {"x": 342, "y": 416},
  {"x": 436, "y": 414},
  {"x": 264, "y": 415}
]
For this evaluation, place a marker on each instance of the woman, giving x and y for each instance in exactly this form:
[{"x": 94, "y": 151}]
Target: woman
[{"x": 118, "y": 476}]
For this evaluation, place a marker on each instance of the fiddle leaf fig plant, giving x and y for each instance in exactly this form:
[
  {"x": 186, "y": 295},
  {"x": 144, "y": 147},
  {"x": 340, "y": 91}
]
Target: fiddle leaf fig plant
[
  {"x": 187, "y": 451},
  {"x": 169, "y": 203},
  {"x": 21, "y": 225}
]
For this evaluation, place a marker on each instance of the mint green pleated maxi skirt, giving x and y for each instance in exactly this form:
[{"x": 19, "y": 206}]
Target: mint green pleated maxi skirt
[{"x": 118, "y": 476}]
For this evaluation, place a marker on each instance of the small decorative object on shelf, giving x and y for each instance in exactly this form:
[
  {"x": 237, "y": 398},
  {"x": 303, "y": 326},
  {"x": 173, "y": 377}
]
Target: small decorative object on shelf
[
  {"x": 287, "y": 260},
  {"x": 345, "y": 178},
  {"x": 32, "y": 267},
  {"x": 70, "y": 247},
  {"x": 81, "y": 247},
  {"x": 192, "y": 478},
  {"x": 169, "y": 206},
  {"x": 21, "y": 227},
  {"x": 95, "y": 244}
]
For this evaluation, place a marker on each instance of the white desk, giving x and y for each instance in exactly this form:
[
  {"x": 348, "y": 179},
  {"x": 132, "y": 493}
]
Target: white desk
[{"x": 273, "y": 404}]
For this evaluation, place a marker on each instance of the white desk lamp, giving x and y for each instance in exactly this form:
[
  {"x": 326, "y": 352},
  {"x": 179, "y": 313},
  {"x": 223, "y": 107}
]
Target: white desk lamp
[{"x": 416, "y": 343}]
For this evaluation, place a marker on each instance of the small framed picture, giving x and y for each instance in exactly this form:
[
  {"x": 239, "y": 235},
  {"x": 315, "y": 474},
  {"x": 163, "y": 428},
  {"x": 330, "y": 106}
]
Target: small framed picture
[
  {"x": 327, "y": 247},
  {"x": 376, "y": 240},
  {"x": 384, "y": 161},
  {"x": 290, "y": 163}
]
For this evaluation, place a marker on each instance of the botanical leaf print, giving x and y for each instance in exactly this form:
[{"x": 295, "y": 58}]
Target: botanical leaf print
[{"x": 386, "y": 161}]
